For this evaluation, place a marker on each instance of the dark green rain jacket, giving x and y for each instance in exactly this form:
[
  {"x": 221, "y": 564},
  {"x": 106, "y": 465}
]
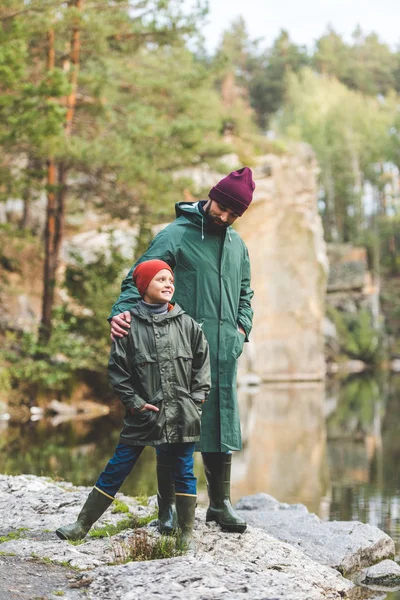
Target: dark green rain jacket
[
  {"x": 212, "y": 284},
  {"x": 164, "y": 360}
]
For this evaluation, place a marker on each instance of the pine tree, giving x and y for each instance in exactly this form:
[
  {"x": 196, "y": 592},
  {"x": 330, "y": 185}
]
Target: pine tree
[{"x": 103, "y": 101}]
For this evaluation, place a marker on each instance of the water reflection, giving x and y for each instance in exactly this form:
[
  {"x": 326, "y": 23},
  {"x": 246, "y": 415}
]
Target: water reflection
[
  {"x": 284, "y": 435},
  {"x": 75, "y": 451},
  {"x": 337, "y": 450},
  {"x": 364, "y": 449}
]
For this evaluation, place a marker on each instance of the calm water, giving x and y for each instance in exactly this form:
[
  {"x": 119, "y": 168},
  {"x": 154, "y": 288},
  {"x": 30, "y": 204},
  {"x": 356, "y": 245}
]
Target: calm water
[{"x": 334, "y": 448}]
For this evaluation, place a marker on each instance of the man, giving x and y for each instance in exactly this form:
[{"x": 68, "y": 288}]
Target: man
[{"x": 212, "y": 276}]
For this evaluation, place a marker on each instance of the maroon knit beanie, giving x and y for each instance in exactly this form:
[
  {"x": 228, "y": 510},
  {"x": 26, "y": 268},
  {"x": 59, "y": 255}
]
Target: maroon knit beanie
[
  {"x": 145, "y": 271},
  {"x": 235, "y": 191}
]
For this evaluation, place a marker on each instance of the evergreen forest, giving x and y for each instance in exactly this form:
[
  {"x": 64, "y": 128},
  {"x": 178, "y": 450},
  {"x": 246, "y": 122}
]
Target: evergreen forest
[{"x": 104, "y": 102}]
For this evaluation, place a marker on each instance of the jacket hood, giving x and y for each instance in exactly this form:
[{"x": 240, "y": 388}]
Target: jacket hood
[
  {"x": 140, "y": 311},
  {"x": 191, "y": 211}
]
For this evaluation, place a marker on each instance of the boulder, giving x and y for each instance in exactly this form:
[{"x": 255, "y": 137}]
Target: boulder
[
  {"x": 385, "y": 573},
  {"x": 347, "y": 546}
]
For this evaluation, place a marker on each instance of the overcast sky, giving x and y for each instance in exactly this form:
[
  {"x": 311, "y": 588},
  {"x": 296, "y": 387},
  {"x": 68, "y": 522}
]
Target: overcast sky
[{"x": 305, "y": 20}]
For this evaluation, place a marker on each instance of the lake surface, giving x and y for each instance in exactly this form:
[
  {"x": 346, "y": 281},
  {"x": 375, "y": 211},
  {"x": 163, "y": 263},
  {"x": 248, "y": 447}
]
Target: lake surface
[{"x": 333, "y": 447}]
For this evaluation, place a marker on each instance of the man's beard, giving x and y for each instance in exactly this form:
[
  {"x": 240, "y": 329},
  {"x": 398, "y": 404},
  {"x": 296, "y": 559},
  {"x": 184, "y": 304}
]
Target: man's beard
[{"x": 213, "y": 222}]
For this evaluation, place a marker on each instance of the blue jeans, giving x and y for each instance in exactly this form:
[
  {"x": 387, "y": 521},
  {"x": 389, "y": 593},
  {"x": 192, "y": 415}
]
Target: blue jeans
[{"x": 179, "y": 457}]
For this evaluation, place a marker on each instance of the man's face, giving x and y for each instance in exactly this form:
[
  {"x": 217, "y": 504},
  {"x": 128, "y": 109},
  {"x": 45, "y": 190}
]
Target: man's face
[{"x": 219, "y": 215}]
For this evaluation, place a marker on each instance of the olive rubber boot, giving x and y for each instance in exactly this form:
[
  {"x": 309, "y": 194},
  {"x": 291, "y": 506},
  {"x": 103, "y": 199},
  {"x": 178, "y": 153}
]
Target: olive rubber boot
[
  {"x": 167, "y": 518},
  {"x": 217, "y": 467},
  {"x": 96, "y": 504},
  {"x": 185, "y": 507}
]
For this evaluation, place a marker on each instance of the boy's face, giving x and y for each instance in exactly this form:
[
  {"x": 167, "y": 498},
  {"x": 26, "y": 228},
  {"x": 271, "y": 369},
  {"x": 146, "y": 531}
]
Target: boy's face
[{"x": 161, "y": 288}]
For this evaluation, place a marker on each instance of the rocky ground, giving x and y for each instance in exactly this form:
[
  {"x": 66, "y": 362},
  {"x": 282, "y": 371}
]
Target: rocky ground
[{"x": 286, "y": 553}]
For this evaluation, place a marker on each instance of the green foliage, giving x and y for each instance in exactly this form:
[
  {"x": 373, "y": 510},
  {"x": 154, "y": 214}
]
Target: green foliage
[
  {"x": 390, "y": 291},
  {"x": 50, "y": 367},
  {"x": 13, "y": 535},
  {"x": 13, "y": 243},
  {"x": 141, "y": 546},
  {"x": 80, "y": 341},
  {"x": 142, "y": 499},
  {"x": 358, "y": 338},
  {"x": 366, "y": 64},
  {"x": 131, "y": 522},
  {"x": 5, "y": 380},
  {"x": 388, "y": 233},
  {"x": 140, "y": 106},
  {"x": 92, "y": 288},
  {"x": 349, "y": 133},
  {"x": 120, "y": 507},
  {"x": 355, "y": 413},
  {"x": 141, "y": 93},
  {"x": 269, "y": 73},
  {"x": 49, "y": 561}
]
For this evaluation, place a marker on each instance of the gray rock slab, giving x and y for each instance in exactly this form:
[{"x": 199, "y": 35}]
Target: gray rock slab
[
  {"x": 252, "y": 565},
  {"x": 345, "y": 546},
  {"x": 27, "y": 580},
  {"x": 386, "y": 573},
  {"x": 42, "y": 504}
]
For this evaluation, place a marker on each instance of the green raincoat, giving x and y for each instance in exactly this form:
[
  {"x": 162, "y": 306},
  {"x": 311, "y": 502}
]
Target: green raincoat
[
  {"x": 212, "y": 284},
  {"x": 164, "y": 360}
]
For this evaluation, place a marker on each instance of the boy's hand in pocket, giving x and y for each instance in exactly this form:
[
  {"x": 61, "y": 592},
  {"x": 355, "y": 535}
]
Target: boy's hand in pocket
[{"x": 146, "y": 407}]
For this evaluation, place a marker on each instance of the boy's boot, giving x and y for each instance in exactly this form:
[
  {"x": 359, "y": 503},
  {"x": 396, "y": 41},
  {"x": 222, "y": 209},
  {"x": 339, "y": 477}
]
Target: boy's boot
[
  {"x": 185, "y": 507},
  {"x": 167, "y": 518},
  {"x": 217, "y": 467},
  {"x": 95, "y": 505}
]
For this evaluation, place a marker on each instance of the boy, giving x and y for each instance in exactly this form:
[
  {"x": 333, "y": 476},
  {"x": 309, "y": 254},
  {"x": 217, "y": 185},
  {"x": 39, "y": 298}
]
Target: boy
[{"x": 161, "y": 373}]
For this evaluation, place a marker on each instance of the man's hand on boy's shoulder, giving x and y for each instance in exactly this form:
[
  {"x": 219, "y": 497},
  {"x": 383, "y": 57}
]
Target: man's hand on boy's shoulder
[{"x": 120, "y": 325}]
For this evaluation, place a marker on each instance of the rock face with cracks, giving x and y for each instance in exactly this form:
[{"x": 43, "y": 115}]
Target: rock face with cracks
[
  {"x": 289, "y": 265},
  {"x": 345, "y": 546},
  {"x": 251, "y": 565}
]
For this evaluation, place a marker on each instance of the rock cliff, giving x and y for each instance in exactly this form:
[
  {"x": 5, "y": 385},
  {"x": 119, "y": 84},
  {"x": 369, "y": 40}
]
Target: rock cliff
[{"x": 284, "y": 235}]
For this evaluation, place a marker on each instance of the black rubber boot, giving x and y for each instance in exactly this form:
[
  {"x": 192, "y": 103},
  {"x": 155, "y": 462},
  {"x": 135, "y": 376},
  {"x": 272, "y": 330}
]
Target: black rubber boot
[
  {"x": 167, "y": 518},
  {"x": 217, "y": 467},
  {"x": 185, "y": 507},
  {"x": 95, "y": 505}
]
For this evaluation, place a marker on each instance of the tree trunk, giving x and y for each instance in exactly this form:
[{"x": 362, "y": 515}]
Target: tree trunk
[
  {"x": 54, "y": 228},
  {"x": 50, "y": 259},
  {"x": 145, "y": 233},
  {"x": 382, "y": 191},
  {"x": 330, "y": 221},
  {"x": 49, "y": 229},
  {"x": 26, "y": 215}
]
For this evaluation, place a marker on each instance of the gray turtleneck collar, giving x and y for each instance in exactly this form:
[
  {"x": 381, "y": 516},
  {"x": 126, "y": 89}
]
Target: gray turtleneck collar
[{"x": 155, "y": 309}]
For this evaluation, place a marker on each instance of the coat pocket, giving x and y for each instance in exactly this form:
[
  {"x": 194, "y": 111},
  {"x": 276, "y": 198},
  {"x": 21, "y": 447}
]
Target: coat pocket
[
  {"x": 146, "y": 376},
  {"x": 189, "y": 413},
  {"x": 183, "y": 366},
  {"x": 238, "y": 345},
  {"x": 148, "y": 414},
  {"x": 141, "y": 360}
]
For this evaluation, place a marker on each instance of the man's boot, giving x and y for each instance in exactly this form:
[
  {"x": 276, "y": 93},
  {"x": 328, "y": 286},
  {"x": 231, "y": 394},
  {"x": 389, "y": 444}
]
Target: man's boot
[
  {"x": 217, "y": 467},
  {"x": 185, "y": 507},
  {"x": 167, "y": 518},
  {"x": 96, "y": 504}
]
